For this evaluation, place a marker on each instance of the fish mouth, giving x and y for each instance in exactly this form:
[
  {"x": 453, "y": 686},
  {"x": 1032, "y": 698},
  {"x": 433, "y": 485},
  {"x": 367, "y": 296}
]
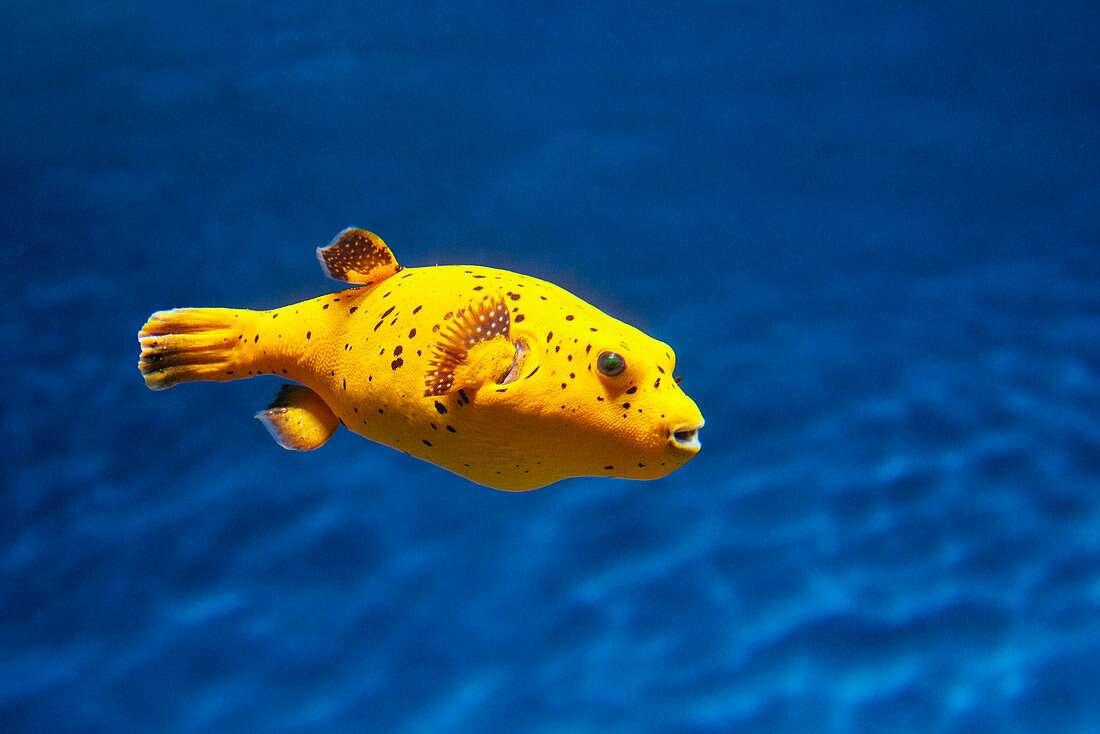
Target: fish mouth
[{"x": 687, "y": 437}]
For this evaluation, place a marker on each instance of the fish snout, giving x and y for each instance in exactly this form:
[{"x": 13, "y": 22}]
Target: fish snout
[{"x": 686, "y": 436}]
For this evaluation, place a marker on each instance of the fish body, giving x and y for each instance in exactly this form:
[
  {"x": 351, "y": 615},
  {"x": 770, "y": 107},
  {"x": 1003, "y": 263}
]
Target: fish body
[{"x": 499, "y": 377}]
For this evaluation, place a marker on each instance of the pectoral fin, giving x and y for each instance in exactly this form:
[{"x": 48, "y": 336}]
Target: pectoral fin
[
  {"x": 298, "y": 419},
  {"x": 358, "y": 256},
  {"x": 476, "y": 349}
]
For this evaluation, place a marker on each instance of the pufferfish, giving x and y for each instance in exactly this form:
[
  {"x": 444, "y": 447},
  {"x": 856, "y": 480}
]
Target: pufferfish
[{"x": 502, "y": 378}]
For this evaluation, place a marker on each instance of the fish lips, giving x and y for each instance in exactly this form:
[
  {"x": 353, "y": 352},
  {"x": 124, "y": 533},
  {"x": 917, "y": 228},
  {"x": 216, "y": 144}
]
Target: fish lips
[{"x": 686, "y": 437}]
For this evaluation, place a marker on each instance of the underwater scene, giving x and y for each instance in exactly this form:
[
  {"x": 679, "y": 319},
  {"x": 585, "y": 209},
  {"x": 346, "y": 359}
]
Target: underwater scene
[{"x": 868, "y": 233}]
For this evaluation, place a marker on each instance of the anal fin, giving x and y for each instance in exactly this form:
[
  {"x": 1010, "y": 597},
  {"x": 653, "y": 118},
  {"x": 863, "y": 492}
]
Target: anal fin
[
  {"x": 298, "y": 419},
  {"x": 358, "y": 256}
]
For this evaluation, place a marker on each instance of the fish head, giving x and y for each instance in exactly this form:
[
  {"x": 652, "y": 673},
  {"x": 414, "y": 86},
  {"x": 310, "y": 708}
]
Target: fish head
[
  {"x": 609, "y": 394},
  {"x": 551, "y": 387}
]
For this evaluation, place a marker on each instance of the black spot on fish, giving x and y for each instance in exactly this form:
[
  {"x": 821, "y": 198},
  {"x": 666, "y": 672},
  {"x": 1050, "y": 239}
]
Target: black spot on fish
[
  {"x": 609, "y": 468},
  {"x": 434, "y": 426},
  {"x": 324, "y": 307},
  {"x": 513, "y": 296},
  {"x": 309, "y": 334},
  {"x": 451, "y": 429},
  {"x": 599, "y": 398},
  {"x": 426, "y": 442},
  {"x": 563, "y": 386},
  {"x": 396, "y": 363},
  {"x": 345, "y": 383},
  {"x": 387, "y": 312},
  {"x": 588, "y": 349},
  {"x": 519, "y": 317},
  {"x": 417, "y": 309},
  {"x": 412, "y": 333},
  {"x": 440, "y": 407},
  {"x": 549, "y": 336},
  {"x": 626, "y": 405},
  {"x": 632, "y": 390},
  {"x": 377, "y": 325},
  {"x": 569, "y": 317},
  {"x": 397, "y": 350},
  {"x": 532, "y": 372},
  {"x": 353, "y": 309},
  {"x": 275, "y": 315},
  {"x": 660, "y": 370},
  {"x": 592, "y": 328},
  {"x": 256, "y": 339},
  {"x": 657, "y": 382},
  {"x": 462, "y": 398},
  {"x": 479, "y": 276},
  {"x": 380, "y": 410},
  {"x": 478, "y": 287},
  {"x": 386, "y": 293}
]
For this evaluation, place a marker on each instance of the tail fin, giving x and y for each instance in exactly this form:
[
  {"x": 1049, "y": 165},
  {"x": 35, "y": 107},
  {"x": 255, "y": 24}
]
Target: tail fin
[{"x": 187, "y": 344}]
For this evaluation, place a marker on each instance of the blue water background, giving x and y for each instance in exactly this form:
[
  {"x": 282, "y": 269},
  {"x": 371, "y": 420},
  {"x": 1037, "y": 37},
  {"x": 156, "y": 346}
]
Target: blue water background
[{"x": 870, "y": 230}]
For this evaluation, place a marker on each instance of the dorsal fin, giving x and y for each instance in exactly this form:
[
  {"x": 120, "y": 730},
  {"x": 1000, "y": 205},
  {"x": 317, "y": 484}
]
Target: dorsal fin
[
  {"x": 357, "y": 256},
  {"x": 484, "y": 321}
]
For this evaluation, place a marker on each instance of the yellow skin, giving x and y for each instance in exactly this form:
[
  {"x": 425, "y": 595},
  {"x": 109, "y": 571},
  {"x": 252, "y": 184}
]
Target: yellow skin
[{"x": 400, "y": 361}]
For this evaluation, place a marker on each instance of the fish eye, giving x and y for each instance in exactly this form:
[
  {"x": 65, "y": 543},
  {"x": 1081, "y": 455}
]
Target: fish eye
[{"x": 611, "y": 364}]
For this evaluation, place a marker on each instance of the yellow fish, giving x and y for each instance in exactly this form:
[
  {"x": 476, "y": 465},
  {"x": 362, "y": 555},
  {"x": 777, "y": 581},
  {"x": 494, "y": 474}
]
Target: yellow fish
[{"x": 502, "y": 378}]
